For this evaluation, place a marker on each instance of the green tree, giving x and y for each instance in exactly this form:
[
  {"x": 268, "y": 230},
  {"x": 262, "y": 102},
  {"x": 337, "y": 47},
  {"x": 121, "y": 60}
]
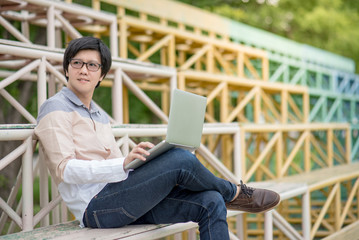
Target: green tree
[{"x": 332, "y": 25}]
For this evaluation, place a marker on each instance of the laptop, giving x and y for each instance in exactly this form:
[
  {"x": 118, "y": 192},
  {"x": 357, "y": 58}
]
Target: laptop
[{"x": 185, "y": 126}]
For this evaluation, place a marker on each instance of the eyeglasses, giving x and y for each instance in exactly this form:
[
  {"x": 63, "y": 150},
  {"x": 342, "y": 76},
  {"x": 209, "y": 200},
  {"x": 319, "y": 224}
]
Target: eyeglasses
[{"x": 91, "y": 66}]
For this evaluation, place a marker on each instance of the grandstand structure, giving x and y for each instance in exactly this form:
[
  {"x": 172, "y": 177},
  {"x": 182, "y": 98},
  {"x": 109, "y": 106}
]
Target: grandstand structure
[{"x": 280, "y": 114}]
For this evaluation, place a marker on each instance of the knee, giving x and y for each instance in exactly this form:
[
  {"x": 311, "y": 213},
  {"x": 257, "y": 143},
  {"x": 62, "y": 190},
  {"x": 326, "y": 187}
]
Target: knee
[
  {"x": 184, "y": 153},
  {"x": 184, "y": 157},
  {"x": 215, "y": 205}
]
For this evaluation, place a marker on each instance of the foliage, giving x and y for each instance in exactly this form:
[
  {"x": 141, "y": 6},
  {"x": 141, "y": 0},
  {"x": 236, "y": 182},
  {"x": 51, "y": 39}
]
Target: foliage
[
  {"x": 3, "y": 181},
  {"x": 332, "y": 25}
]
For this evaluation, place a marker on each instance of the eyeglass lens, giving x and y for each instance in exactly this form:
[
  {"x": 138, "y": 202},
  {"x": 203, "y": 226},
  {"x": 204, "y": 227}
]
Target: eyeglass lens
[{"x": 91, "y": 66}]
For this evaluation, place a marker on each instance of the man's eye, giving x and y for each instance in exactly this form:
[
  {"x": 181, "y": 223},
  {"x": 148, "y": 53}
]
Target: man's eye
[
  {"x": 77, "y": 62},
  {"x": 92, "y": 64}
]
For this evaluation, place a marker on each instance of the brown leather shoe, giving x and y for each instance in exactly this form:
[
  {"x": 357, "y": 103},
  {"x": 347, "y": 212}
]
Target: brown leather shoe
[{"x": 254, "y": 200}]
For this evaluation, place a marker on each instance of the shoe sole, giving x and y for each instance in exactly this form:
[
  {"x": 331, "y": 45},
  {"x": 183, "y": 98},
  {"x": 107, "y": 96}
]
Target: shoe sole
[{"x": 260, "y": 211}]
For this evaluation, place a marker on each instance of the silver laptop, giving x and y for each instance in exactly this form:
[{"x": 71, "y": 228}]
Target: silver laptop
[{"x": 185, "y": 125}]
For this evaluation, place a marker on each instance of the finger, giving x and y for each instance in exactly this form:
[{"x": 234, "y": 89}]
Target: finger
[
  {"x": 146, "y": 145},
  {"x": 140, "y": 150},
  {"x": 138, "y": 156}
]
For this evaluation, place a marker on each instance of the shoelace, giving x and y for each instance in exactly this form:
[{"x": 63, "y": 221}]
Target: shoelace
[{"x": 248, "y": 191}]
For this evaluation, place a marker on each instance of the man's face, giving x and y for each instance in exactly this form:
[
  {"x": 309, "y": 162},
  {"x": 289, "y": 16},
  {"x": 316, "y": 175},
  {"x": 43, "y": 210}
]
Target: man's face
[{"x": 82, "y": 81}]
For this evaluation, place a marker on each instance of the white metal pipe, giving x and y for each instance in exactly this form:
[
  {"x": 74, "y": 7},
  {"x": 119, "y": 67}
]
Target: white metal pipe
[
  {"x": 68, "y": 28},
  {"x": 268, "y": 225},
  {"x": 12, "y": 226},
  {"x": 56, "y": 217},
  {"x": 237, "y": 154},
  {"x": 27, "y": 187},
  {"x": 218, "y": 130},
  {"x": 51, "y": 85},
  {"x": 78, "y": 10},
  {"x": 13, "y": 64},
  {"x": 123, "y": 144},
  {"x": 212, "y": 159},
  {"x": 27, "y": 76},
  {"x": 285, "y": 227},
  {"x": 17, "y": 16},
  {"x": 10, "y": 212},
  {"x": 20, "y": 204},
  {"x": 140, "y": 132},
  {"x": 268, "y": 127},
  {"x": 133, "y": 130},
  {"x": 14, "y": 134},
  {"x": 11, "y": 199},
  {"x": 50, "y": 27},
  {"x": 56, "y": 73},
  {"x": 13, "y": 30},
  {"x": 173, "y": 82},
  {"x": 64, "y": 212},
  {"x": 7, "y": 81},
  {"x": 114, "y": 38},
  {"x": 145, "y": 68},
  {"x": 25, "y": 28},
  {"x": 17, "y": 106},
  {"x": 224, "y": 128},
  {"x": 117, "y": 97},
  {"x": 12, "y": 156},
  {"x": 148, "y": 130},
  {"x": 30, "y": 51},
  {"x": 46, "y": 209},
  {"x": 299, "y": 189},
  {"x": 41, "y": 84},
  {"x": 144, "y": 98},
  {"x": 42, "y": 22},
  {"x": 306, "y": 211},
  {"x": 286, "y": 232},
  {"x": 44, "y": 188},
  {"x": 240, "y": 226}
]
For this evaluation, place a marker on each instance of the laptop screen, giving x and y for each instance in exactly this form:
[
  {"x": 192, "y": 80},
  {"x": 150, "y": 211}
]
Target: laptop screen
[{"x": 186, "y": 118}]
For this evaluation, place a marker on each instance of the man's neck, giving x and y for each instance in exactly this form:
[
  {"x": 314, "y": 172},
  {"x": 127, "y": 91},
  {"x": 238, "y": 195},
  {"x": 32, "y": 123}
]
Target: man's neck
[{"x": 85, "y": 98}]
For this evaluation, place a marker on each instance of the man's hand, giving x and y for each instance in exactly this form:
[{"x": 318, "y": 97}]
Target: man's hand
[{"x": 138, "y": 152}]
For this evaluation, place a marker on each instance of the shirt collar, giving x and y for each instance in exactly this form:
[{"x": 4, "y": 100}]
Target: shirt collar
[{"x": 75, "y": 100}]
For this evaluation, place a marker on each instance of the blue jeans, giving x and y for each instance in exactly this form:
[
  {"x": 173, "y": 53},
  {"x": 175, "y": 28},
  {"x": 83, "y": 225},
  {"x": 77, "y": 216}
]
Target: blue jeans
[{"x": 175, "y": 187}]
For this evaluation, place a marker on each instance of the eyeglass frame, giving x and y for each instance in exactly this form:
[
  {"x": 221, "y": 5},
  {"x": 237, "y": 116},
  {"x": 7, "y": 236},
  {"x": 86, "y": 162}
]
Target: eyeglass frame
[{"x": 87, "y": 67}]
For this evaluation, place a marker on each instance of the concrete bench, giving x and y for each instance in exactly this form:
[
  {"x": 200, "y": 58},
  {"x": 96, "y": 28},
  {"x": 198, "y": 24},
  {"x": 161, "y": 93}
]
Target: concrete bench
[
  {"x": 333, "y": 209},
  {"x": 71, "y": 230},
  {"x": 349, "y": 232}
]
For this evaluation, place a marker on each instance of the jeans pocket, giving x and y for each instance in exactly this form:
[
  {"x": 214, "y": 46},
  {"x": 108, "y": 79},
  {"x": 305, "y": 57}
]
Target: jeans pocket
[{"x": 112, "y": 218}]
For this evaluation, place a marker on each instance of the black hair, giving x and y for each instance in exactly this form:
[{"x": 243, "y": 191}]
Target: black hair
[{"x": 88, "y": 43}]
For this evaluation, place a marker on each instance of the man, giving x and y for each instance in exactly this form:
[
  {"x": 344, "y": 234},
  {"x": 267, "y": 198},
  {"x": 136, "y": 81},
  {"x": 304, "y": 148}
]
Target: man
[{"x": 82, "y": 156}]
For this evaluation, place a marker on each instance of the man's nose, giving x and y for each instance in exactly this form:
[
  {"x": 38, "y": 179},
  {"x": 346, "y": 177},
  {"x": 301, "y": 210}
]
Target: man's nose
[{"x": 84, "y": 68}]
